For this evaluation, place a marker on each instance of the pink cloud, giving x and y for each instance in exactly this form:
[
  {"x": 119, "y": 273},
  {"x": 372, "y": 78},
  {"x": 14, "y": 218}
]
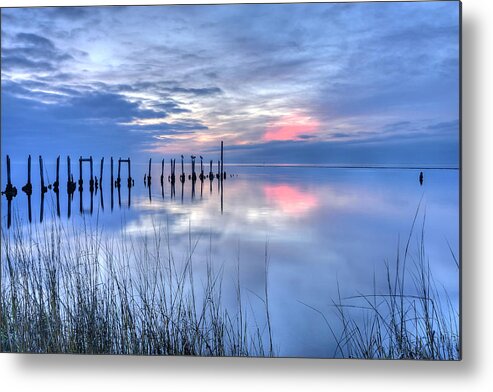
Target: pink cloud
[{"x": 291, "y": 127}]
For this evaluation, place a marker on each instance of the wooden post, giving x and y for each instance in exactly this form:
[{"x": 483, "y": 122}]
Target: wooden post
[
  {"x": 28, "y": 188},
  {"x": 29, "y": 169},
  {"x": 211, "y": 174},
  {"x": 68, "y": 170},
  {"x": 91, "y": 181},
  {"x": 129, "y": 181},
  {"x": 40, "y": 170},
  {"x": 56, "y": 184},
  {"x": 80, "y": 173},
  {"x": 44, "y": 189},
  {"x": 70, "y": 181},
  {"x": 162, "y": 172},
  {"x": 118, "y": 179},
  {"x": 172, "y": 176},
  {"x": 101, "y": 174},
  {"x": 201, "y": 169},
  {"x": 222, "y": 161},
  {"x": 149, "y": 173},
  {"x": 10, "y": 190},
  {"x": 9, "y": 179},
  {"x": 194, "y": 175},
  {"x": 58, "y": 169}
]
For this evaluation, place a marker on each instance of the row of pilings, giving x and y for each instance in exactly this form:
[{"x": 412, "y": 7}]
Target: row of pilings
[
  {"x": 10, "y": 191},
  {"x": 94, "y": 182}
]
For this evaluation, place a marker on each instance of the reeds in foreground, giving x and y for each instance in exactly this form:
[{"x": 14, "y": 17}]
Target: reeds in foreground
[
  {"x": 408, "y": 320},
  {"x": 68, "y": 290}
]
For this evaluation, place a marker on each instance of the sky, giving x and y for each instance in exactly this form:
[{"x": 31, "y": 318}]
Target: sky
[{"x": 340, "y": 83}]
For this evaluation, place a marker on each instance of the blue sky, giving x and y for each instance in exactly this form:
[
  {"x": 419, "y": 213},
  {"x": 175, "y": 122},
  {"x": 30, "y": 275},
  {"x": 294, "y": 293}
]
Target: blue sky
[{"x": 287, "y": 83}]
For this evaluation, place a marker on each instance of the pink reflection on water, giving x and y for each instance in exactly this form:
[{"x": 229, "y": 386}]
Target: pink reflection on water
[{"x": 290, "y": 200}]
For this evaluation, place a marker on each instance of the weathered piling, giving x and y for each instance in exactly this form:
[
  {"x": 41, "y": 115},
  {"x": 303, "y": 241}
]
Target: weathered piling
[
  {"x": 81, "y": 182},
  {"x": 118, "y": 179},
  {"x": 149, "y": 173},
  {"x": 71, "y": 185},
  {"x": 218, "y": 175},
  {"x": 44, "y": 188},
  {"x": 172, "y": 176},
  {"x": 223, "y": 175},
  {"x": 91, "y": 180},
  {"x": 211, "y": 173},
  {"x": 201, "y": 176},
  {"x": 182, "y": 176},
  {"x": 10, "y": 191},
  {"x": 91, "y": 169},
  {"x": 162, "y": 172},
  {"x": 101, "y": 173},
  {"x": 56, "y": 184},
  {"x": 194, "y": 175},
  {"x": 9, "y": 177},
  {"x": 80, "y": 199},
  {"x": 111, "y": 172},
  {"x": 129, "y": 179},
  {"x": 28, "y": 188}
]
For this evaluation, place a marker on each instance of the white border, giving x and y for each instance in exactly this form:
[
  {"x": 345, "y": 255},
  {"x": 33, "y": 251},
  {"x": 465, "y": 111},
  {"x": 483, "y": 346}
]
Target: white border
[{"x": 474, "y": 373}]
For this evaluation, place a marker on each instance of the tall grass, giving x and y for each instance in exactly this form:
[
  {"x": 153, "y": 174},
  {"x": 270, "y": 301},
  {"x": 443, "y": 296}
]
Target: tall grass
[
  {"x": 407, "y": 320},
  {"x": 68, "y": 290}
]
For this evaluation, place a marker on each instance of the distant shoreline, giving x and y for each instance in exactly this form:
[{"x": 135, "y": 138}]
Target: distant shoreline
[{"x": 336, "y": 166}]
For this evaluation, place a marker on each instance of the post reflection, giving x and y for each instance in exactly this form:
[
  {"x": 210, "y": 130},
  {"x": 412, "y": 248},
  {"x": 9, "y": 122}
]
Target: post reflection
[
  {"x": 101, "y": 199},
  {"x": 41, "y": 207},
  {"x": 57, "y": 193},
  {"x": 29, "y": 210}
]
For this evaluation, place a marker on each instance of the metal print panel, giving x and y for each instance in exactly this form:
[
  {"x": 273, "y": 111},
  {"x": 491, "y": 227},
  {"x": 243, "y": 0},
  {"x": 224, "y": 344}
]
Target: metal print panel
[{"x": 271, "y": 180}]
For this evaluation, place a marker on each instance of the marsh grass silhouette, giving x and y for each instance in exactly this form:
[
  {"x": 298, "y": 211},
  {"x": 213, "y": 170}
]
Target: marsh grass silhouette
[{"x": 69, "y": 290}]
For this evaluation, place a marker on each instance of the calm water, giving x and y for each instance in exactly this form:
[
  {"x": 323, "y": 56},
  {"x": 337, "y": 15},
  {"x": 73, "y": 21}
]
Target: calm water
[{"x": 321, "y": 226}]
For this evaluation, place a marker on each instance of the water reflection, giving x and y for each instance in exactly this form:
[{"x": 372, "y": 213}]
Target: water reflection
[
  {"x": 321, "y": 226},
  {"x": 290, "y": 199}
]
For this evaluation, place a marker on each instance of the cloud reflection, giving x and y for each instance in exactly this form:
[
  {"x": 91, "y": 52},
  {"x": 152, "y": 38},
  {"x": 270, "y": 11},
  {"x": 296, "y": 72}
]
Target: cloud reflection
[{"x": 290, "y": 200}]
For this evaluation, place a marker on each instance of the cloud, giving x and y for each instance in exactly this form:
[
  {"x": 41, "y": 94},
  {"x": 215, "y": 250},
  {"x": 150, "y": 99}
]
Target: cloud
[
  {"x": 355, "y": 73},
  {"x": 292, "y": 127}
]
